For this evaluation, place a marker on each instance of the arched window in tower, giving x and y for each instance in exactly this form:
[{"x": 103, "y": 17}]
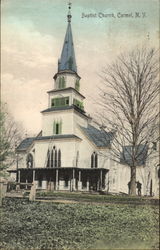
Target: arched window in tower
[
  {"x": 59, "y": 158},
  {"x": 57, "y": 127},
  {"x": 29, "y": 161},
  {"x": 94, "y": 160},
  {"x": 61, "y": 82},
  {"x": 77, "y": 85}
]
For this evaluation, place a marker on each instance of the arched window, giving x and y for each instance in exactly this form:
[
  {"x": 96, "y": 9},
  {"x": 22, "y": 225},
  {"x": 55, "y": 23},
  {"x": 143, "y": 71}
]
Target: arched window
[
  {"x": 77, "y": 85},
  {"x": 57, "y": 127},
  {"x": 54, "y": 158},
  {"x": 94, "y": 160},
  {"x": 61, "y": 83},
  {"x": 48, "y": 159},
  {"x": 55, "y": 155},
  {"x": 29, "y": 161},
  {"x": 59, "y": 158}
]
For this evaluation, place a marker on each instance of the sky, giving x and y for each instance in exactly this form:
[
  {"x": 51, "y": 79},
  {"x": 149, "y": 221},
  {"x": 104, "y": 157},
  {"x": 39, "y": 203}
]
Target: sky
[{"x": 32, "y": 35}]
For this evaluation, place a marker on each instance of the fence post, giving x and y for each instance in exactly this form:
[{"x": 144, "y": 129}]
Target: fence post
[
  {"x": 32, "y": 195},
  {"x": 3, "y": 190}
]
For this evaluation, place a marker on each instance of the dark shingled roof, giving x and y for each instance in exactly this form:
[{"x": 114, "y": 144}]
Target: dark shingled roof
[
  {"x": 64, "y": 90},
  {"x": 57, "y": 108},
  {"x": 65, "y": 108},
  {"x": 100, "y": 138},
  {"x": 25, "y": 144},
  {"x": 57, "y": 137},
  {"x": 68, "y": 60},
  {"x": 141, "y": 155}
]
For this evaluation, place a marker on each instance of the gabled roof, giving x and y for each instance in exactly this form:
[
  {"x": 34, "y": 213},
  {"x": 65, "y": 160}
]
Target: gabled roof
[
  {"x": 25, "y": 144},
  {"x": 141, "y": 155},
  {"x": 59, "y": 136},
  {"x": 68, "y": 60},
  {"x": 100, "y": 138}
]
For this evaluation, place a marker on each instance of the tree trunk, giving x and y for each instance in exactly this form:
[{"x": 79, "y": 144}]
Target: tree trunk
[{"x": 133, "y": 181}]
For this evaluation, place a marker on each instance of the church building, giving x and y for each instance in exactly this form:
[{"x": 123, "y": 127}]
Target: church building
[{"x": 70, "y": 153}]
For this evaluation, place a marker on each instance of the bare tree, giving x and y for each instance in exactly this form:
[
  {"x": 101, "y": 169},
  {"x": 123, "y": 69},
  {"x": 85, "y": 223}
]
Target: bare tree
[
  {"x": 129, "y": 104},
  {"x": 10, "y": 136}
]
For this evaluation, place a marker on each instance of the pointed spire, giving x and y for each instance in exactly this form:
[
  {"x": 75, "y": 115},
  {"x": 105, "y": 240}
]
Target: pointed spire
[{"x": 67, "y": 60}]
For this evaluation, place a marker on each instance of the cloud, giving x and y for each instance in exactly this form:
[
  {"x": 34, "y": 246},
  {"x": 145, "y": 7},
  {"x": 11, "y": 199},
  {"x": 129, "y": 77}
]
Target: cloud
[
  {"x": 25, "y": 48},
  {"x": 25, "y": 100},
  {"x": 30, "y": 53}
]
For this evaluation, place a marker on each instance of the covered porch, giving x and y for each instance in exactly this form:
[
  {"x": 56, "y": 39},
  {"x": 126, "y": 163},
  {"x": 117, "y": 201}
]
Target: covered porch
[{"x": 64, "y": 179}]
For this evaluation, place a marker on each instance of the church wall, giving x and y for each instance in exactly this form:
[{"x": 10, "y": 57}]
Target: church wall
[
  {"x": 67, "y": 148},
  {"x": 104, "y": 158},
  {"x": 119, "y": 176},
  {"x": 86, "y": 148},
  {"x": 67, "y": 122},
  {"x": 152, "y": 174},
  {"x": 22, "y": 160},
  {"x": 85, "y": 151},
  {"x": 79, "y": 121}
]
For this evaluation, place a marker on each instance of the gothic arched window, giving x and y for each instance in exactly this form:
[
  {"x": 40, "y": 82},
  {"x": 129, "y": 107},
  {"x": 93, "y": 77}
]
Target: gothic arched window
[
  {"x": 77, "y": 85},
  {"x": 61, "y": 83},
  {"x": 54, "y": 158},
  {"x": 48, "y": 159},
  {"x": 94, "y": 160},
  {"x": 29, "y": 161},
  {"x": 59, "y": 158},
  {"x": 57, "y": 127}
]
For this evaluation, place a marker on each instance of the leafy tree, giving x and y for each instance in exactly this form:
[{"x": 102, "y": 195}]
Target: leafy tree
[
  {"x": 10, "y": 136},
  {"x": 129, "y": 102}
]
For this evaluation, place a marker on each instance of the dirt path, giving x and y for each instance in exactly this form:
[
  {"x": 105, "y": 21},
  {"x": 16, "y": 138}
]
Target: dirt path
[{"x": 59, "y": 201}]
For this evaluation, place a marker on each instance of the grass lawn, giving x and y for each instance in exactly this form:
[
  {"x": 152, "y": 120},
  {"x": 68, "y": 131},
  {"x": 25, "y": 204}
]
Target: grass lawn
[
  {"x": 47, "y": 225},
  {"x": 97, "y": 198}
]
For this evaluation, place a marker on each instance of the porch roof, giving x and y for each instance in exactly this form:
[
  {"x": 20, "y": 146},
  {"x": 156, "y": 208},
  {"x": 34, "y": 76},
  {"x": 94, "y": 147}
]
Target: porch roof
[{"x": 58, "y": 168}]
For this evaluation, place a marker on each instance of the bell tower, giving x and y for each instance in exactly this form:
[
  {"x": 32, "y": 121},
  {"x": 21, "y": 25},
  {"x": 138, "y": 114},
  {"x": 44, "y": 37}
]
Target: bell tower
[
  {"x": 65, "y": 94},
  {"x": 67, "y": 77}
]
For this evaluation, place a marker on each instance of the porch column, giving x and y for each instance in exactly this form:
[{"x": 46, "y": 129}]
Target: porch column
[
  {"x": 87, "y": 185},
  {"x": 73, "y": 181},
  {"x": 34, "y": 173},
  {"x": 18, "y": 180},
  {"x": 26, "y": 183},
  {"x": 107, "y": 182},
  {"x": 57, "y": 173},
  {"x": 79, "y": 181},
  {"x": 19, "y": 176},
  {"x": 101, "y": 180}
]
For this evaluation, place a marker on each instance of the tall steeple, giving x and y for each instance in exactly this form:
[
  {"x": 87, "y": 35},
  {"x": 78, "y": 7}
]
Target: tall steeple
[{"x": 68, "y": 60}]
